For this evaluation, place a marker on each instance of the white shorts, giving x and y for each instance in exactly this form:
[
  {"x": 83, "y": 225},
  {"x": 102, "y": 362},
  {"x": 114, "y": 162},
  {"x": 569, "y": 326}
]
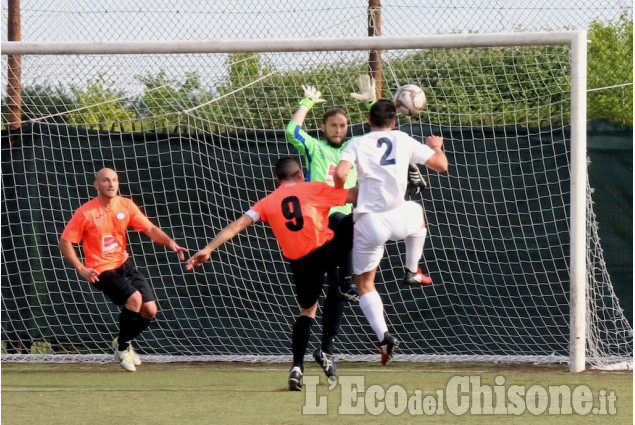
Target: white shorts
[{"x": 373, "y": 230}]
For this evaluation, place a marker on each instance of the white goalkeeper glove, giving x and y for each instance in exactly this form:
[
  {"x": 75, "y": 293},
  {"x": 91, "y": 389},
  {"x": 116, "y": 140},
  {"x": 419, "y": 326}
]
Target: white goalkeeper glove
[
  {"x": 367, "y": 90},
  {"x": 311, "y": 96}
]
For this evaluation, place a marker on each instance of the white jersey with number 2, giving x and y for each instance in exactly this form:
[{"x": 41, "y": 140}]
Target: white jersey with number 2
[{"x": 382, "y": 159}]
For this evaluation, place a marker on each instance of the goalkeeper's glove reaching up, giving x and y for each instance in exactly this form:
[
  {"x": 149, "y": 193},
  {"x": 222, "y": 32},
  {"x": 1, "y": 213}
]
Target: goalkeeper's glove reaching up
[
  {"x": 367, "y": 90},
  {"x": 311, "y": 96},
  {"x": 416, "y": 182}
]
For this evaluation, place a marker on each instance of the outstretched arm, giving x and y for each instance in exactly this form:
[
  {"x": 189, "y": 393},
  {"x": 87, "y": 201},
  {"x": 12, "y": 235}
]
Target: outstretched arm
[
  {"x": 367, "y": 91},
  {"x": 69, "y": 253},
  {"x": 295, "y": 135},
  {"x": 223, "y": 236},
  {"x": 311, "y": 96},
  {"x": 160, "y": 237}
]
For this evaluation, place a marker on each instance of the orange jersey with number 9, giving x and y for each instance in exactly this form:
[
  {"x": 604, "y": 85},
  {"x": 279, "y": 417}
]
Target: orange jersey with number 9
[{"x": 298, "y": 215}]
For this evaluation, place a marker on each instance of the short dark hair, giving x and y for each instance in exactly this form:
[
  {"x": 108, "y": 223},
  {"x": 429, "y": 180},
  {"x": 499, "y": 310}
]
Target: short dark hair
[
  {"x": 330, "y": 112},
  {"x": 287, "y": 167},
  {"x": 382, "y": 113}
]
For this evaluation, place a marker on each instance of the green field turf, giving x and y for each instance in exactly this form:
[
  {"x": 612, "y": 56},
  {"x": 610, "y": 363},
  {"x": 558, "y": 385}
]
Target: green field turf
[{"x": 242, "y": 393}]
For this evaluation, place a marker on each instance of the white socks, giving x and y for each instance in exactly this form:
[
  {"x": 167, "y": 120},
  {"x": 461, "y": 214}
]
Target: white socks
[
  {"x": 414, "y": 249},
  {"x": 373, "y": 309}
]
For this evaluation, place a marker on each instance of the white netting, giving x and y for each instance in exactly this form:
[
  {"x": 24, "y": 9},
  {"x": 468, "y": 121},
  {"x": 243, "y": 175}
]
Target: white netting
[{"x": 195, "y": 149}]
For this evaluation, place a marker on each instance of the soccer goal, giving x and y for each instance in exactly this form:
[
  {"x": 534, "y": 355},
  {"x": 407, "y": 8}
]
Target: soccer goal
[{"x": 194, "y": 128}]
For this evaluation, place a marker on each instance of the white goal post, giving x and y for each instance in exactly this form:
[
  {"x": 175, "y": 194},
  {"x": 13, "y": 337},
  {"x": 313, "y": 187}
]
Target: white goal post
[{"x": 441, "y": 246}]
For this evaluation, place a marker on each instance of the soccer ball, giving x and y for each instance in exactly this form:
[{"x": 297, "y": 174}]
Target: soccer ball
[{"x": 410, "y": 100}]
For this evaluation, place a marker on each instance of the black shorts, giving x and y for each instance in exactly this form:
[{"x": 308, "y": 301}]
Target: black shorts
[
  {"x": 119, "y": 284},
  {"x": 308, "y": 271}
]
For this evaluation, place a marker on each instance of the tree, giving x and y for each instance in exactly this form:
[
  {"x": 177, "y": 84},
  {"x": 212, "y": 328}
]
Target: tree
[
  {"x": 99, "y": 105},
  {"x": 165, "y": 98},
  {"x": 44, "y": 100},
  {"x": 610, "y": 69},
  {"x": 480, "y": 86}
]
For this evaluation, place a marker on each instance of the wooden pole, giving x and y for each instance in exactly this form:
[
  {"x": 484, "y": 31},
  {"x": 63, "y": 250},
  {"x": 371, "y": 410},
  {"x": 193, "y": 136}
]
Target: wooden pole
[
  {"x": 374, "y": 30},
  {"x": 14, "y": 68}
]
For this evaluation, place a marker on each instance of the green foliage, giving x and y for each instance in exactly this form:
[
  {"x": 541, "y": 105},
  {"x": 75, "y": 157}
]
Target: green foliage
[
  {"x": 247, "y": 82},
  {"x": 45, "y": 100},
  {"x": 99, "y": 105},
  {"x": 488, "y": 86},
  {"x": 243, "y": 68},
  {"x": 165, "y": 98},
  {"x": 42, "y": 100},
  {"x": 253, "y": 84},
  {"x": 610, "y": 63},
  {"x": 472, "y": 86}
]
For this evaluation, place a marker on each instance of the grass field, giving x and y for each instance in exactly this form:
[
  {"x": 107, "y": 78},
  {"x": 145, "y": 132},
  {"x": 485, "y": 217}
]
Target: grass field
[{"x": 240, "y": 393}]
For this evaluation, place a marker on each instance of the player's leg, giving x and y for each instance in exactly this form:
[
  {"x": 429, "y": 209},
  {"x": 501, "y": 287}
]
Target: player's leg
[
  {"x": 299, "y": 344},
  {"x": 148, "y": 310},
  {"x": 336, "y": 251},
  {"x": 348, "y": 289},
  {"x": 371, "y": 304},
  {"x": 331, "y": 316},
  {"x": 114, "y": 285},
  {"x": 341, "y": 274},
  {"x": 412, "y": 215},
  {"x": 129, "y": 288},
  {"x": 129, "y": 320},
  {"x": 370, "y": 235},
  {"x": 308, "y": 281}
]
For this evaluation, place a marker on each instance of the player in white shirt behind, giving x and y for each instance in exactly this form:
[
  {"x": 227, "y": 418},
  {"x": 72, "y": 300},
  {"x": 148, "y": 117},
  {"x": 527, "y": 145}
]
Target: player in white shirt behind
[{"x": 382, "y": 214}]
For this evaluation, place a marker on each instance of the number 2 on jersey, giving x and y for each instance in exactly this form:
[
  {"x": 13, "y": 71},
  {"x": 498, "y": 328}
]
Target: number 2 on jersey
[
  {"x": 292, "y": 210},
  {"x": 384, "y": 158}
]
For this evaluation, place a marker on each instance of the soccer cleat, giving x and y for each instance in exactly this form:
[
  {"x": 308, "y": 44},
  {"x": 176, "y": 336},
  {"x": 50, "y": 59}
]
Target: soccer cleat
[
  {"x": 125, "y": 358},
  {"x": 295, "y": 379},
  {"x": 135, "y": 357},
  {"x": 387, "y": 348},
  {"x": 351, "y": 295},
  {"x": 417, "y": 278},
  {"x": 416, "y": 182},
  {"x": 126, "y": 361},
  {"x": 327, "y": 361}
]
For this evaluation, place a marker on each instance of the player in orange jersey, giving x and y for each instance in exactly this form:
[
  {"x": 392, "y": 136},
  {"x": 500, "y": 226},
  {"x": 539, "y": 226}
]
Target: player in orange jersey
[
  {"x": 101, "y": 224},
  {"x": 297, "y": 212}
]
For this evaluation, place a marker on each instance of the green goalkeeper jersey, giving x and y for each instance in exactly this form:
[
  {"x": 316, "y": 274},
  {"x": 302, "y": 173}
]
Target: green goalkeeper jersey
[{"x": 321, "y": 159}]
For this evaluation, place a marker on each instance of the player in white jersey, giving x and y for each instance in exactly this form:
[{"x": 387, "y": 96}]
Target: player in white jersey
[{"x": 382, "y": 214}]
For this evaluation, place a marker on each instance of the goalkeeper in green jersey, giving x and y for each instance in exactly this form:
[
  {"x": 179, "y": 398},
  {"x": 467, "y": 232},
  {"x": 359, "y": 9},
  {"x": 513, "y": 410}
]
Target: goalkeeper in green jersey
[{"x": 321, "y": 156}]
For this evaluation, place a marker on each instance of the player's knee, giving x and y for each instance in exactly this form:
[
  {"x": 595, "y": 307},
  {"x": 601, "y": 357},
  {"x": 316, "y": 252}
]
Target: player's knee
[
  {"x": 134, "y": 302},
  {"x": 365, "y": 287},
  {"x": 422, "y": 232},
  {"x": 365, "y": 283},
  {"x": 149, "y": 310},
  {"x": 310, "y": 312}
]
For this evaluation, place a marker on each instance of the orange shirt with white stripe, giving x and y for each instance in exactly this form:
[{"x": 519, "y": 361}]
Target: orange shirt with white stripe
[
  {"x": 298, "y": 215},
  {"x": 103, "y": 230}
]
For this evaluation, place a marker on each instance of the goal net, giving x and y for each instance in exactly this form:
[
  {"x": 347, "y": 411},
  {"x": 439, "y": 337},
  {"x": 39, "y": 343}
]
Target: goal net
[{"x": 194, "y": 137}]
